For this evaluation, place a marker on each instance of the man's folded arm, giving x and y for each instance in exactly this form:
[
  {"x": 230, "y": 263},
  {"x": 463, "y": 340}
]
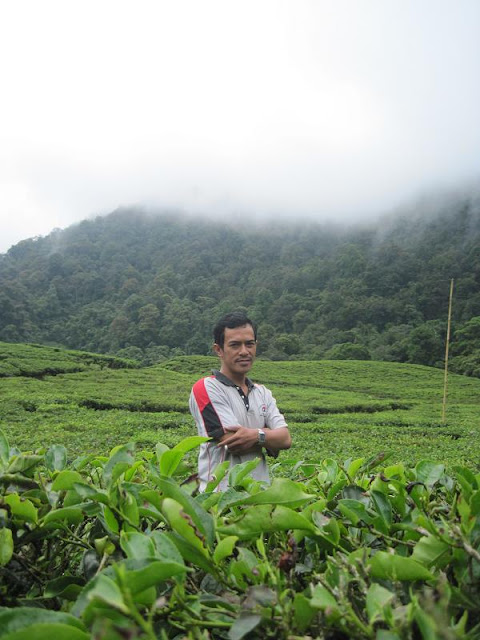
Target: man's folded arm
[
  {"x": 277, "y": 439},
  {"x": 241, "y": 439}
]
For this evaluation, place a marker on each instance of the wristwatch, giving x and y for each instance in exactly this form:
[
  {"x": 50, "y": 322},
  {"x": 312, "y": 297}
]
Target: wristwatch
[{"x": 261, "y": 436}]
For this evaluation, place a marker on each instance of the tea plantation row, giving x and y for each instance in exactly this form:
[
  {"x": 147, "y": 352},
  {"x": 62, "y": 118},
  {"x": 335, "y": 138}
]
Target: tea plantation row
[{"x": 334, "y": 409}]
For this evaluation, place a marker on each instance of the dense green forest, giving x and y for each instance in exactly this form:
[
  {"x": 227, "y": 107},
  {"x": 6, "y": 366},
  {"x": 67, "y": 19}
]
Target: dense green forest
[{"x": 149, "y": 287}]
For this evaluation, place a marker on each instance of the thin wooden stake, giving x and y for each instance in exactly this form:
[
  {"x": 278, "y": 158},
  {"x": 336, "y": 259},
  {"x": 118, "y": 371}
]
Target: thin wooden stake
[{"x": 447, "y": 344}]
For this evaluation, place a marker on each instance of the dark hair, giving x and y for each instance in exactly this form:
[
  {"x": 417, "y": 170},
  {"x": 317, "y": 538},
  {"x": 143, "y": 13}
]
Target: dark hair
[{"x": 231, "y": 321}]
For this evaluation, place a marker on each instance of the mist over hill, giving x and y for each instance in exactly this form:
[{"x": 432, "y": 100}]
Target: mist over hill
[{"x": 151, "y": 286}]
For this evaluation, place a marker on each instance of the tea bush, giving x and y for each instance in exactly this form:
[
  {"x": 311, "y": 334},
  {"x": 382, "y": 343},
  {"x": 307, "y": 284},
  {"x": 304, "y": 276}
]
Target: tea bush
[{"x": 124, "y": 546}]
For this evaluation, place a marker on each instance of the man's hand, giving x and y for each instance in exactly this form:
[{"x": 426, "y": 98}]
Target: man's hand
[{"x": 239, "y": 439}]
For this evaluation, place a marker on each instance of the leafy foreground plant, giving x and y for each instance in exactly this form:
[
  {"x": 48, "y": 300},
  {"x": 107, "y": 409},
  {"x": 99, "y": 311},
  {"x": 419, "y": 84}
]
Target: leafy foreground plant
[{"x": 124, "y": 547}]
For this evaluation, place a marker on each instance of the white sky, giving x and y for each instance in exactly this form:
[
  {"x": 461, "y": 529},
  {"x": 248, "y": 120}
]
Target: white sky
[{"x": 332, "y": 109}]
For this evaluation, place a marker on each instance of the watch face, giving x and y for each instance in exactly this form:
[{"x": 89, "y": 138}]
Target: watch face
[{"x": 261, "y": 436}]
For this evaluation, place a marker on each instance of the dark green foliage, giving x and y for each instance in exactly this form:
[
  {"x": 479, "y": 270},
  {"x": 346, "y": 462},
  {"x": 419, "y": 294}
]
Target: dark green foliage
[
  {"x": 150, "y": 287},
  {"x": 466, "y": 349},
  {"x": 348, "y": 351}
]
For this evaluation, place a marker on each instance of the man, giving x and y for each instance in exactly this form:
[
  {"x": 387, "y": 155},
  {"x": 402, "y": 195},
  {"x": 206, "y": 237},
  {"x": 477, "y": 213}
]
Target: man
[{"x": 241, "y": 417}]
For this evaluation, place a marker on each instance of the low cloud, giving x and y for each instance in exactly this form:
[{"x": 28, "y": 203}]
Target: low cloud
[{"x": 322, "y": 110}]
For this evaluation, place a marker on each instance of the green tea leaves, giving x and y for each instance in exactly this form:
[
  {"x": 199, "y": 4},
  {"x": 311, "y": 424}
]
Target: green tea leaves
[
  {"x": 6, "y": 546},
  {"x": 171, "y": 458},
  {"x": 56, "y": 457},
  {"x": 389, "y": 566},
  {"x": 136, "y": 550},
  {"x": 429, "y": 472}
]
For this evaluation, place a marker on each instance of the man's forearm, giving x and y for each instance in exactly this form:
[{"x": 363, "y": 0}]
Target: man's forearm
[
  {"x": 242, "y": 439},
  {"x": 277, "y": 439}
]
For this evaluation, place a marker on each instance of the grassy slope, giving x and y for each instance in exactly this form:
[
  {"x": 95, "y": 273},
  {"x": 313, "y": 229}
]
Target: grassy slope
[
  {"x": 335, "y": 409},
  {"x": 37, "y": 360}
]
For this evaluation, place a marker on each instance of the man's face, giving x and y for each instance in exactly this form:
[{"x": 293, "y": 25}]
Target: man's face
[{"x": 238, "y": 352}]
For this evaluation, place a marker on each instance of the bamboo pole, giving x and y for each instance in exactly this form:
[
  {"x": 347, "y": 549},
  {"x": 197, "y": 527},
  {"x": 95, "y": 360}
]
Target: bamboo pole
[{"x": 447, "y": 344}]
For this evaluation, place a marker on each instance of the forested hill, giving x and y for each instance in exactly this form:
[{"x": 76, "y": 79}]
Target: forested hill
[{"x": 148, "y": 287}]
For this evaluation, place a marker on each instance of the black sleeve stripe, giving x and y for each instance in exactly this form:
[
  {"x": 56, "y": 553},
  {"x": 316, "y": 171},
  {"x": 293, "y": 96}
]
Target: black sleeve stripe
[
  {"x": 213, "y": 425},
  {"x": 212, "y": 422}
]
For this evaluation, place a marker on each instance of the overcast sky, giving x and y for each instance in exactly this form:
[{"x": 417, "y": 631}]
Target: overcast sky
[{"x": 332, "y": 109}]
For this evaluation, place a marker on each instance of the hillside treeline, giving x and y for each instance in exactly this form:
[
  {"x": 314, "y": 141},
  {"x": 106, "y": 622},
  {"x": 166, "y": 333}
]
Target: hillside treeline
[{"x": 150, "y": 286}]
